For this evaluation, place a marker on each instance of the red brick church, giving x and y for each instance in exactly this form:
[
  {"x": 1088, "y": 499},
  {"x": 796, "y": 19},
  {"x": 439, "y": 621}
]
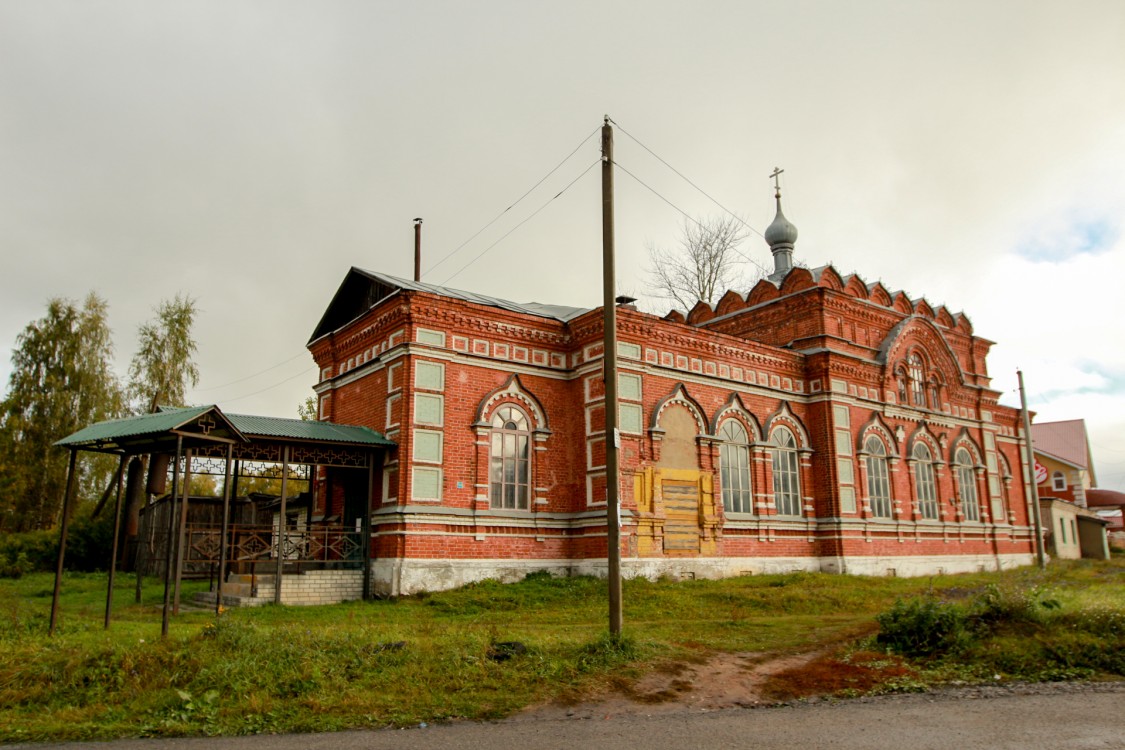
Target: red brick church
[{"x": 818, "y": 422}]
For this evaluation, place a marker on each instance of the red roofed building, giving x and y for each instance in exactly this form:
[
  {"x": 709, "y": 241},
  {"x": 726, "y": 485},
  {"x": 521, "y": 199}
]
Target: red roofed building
[
  {"x": 817, "y": 422},
  {"x": 1110, "y": 506},
  {"x": 1063, "y": 449}
]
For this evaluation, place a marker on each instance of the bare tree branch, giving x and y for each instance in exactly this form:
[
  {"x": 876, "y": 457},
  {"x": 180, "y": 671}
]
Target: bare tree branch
[{"x": 703, "y": 267}]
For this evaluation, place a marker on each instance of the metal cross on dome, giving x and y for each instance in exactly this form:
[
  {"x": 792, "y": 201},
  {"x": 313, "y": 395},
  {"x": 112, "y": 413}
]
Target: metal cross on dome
[{"x": 776, "y": 182}]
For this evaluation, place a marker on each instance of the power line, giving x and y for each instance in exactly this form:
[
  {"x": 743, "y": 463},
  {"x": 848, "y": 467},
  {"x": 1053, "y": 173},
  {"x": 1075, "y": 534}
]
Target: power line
[
  {"x": 688, "y": 181},
  {"x": 248, "y": 377},
  {"x": 688, "y": 216},
  {"x": 509, "y": 208},
  {"x": 517, "y": 226},
  {"x": 301, "y": 374}
]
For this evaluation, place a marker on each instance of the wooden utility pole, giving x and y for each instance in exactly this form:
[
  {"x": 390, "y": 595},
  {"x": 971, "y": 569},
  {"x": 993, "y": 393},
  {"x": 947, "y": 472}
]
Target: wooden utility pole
[
  {"x": 1040, "y": 556},
  {"x": 609, "y": 358}
]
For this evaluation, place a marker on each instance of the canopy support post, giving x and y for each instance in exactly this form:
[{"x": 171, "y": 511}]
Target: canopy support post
[
  {"x": 181, "y": 538},
  {"x": 171, "y": 537},
  {"x": 366, "y": 526},
  {"x": 281, "y": 525},
  {"x": 116, "y": 538},
  {"x": 223, "y": 534},
  {"x": 68, "y": 499}
]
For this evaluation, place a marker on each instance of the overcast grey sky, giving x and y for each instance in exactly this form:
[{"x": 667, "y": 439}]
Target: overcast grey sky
[{"x": 249, "y": 153}]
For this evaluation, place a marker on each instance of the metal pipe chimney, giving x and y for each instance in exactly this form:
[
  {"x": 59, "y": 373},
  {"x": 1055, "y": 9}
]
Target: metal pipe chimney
[{"x": 418, "y": 249}]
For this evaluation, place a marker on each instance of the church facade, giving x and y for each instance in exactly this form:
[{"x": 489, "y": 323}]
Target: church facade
[{"x": 818, "y": 422}]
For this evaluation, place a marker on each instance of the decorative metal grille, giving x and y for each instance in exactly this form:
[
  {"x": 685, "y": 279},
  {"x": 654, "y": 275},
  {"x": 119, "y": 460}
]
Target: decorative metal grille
[
  {"x": 354, "y": 457},
  {"x": 248, "y": 469},
  {"x": 325, "y": 545}
]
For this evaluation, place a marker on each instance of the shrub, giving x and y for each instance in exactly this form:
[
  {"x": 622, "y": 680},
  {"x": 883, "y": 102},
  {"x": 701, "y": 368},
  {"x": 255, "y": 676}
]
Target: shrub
[
  {"x": 1008, "y": 605},
  {"x": 88, "y": 545},
  {"x": 27, "y": 552},
  {"x": 924, "y": 627}
]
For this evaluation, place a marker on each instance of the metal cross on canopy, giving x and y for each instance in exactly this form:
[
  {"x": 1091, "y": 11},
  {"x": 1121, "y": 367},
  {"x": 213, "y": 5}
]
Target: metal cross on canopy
[{"x": 206, "y": 424}]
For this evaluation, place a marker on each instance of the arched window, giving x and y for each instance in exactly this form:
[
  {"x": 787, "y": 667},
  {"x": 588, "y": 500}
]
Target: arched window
[
  {"x": 924, "y": 486},
  {"x": 786, "y": 480},
  {"x": 734, "y": 467},
  {"x": 935, "y": 394},
  {"x": 878, "y": 482},
  {"x": 1058, "y": 482},
  {"x": 509, "y": 478},
  {"x": 917, "y": 380},
  {"x": 966, "y": 484}
]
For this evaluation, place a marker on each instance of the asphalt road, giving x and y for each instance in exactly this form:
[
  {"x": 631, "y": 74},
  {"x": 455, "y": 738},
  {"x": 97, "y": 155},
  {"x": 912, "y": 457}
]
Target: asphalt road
[{"x": 1057, "y": 720}]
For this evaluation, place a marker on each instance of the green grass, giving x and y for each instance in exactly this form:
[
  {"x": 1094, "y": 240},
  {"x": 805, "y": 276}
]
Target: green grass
[{"x": 426, "y": 658}]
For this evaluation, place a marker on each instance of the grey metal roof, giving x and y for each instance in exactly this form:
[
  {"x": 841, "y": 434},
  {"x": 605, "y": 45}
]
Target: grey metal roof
[
  {"x": 560, "y": 313},
  {"x": 362, "y": 289}
]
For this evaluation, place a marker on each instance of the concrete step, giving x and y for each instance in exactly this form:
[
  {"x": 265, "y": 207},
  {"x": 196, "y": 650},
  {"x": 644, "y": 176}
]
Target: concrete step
[{"x": 207, "y": 599}]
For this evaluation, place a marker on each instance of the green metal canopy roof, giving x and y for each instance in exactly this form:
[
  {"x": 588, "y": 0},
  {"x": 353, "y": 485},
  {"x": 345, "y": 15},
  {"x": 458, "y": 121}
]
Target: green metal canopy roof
[
  {"x": 150, "y": 432},
  {"x": 119, "y": 434},
  {"x": 299, "y": 429}
]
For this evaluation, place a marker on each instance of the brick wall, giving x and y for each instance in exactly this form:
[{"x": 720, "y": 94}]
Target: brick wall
[{"x": 430, "y": 371}]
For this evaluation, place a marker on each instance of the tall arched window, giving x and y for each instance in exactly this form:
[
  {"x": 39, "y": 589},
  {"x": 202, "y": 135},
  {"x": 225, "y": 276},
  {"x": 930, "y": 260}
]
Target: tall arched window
[
  {"x": 924, "y": 486},
  {"x": 917, "y": 380},
  {"x": 734, "y": 467},
  {"x": 935, "y": 394},
  {"x": 786, "y": 480},
  {"x": 509, "y": 478},
  {"x": 966, "y": 484},
  {"x": 878, "y": 481}
]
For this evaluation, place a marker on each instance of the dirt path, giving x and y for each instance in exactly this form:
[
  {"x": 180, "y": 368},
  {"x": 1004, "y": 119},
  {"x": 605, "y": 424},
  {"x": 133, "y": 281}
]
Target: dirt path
[{"x": 723, "y": 681}]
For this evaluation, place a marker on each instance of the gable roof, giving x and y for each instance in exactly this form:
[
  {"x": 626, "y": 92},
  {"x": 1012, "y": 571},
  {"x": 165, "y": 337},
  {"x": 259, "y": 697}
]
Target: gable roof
[
  {"x": 1065, "y": 441},
  {"x": 146, "y": 432},
  {"x": 362, "y": 289},
  {"x": 121, "y": 434}
]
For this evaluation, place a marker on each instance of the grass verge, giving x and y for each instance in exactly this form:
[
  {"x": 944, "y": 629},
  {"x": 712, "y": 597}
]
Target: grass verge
[{"x": 435, "y": 657}]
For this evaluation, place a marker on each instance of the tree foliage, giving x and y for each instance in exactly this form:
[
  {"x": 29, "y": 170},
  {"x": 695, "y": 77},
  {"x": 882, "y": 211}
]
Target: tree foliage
[
  {"x": 62, "y": 380},
  {"x": 163, "y": 369},
  {"x": 307, "y": 410},
  {"x": 703, "y": 267}
]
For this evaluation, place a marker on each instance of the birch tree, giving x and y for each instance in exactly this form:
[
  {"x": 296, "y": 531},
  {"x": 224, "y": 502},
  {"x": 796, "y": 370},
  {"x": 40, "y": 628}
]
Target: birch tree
[
  {"x": 163, "y": 369},
  {"x": 62, "y": 380}
]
